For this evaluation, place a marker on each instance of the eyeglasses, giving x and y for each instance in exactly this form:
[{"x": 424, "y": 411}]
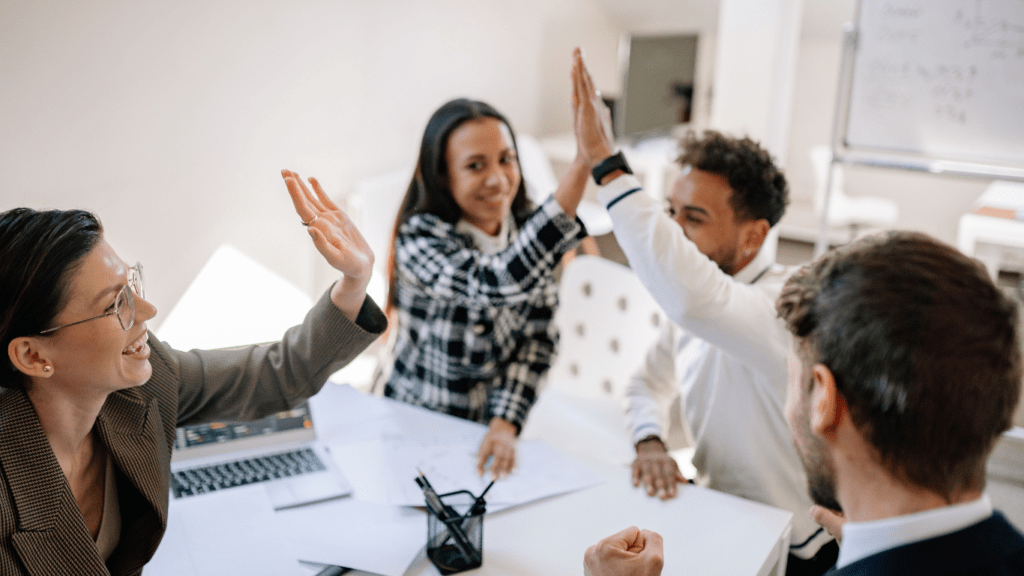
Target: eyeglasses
[{"x": 124, "y": 304}]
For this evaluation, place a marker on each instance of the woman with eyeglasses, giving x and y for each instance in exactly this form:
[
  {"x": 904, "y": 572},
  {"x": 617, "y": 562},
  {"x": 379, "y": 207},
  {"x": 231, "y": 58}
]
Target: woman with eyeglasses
[{"x": 89, "y": 401}]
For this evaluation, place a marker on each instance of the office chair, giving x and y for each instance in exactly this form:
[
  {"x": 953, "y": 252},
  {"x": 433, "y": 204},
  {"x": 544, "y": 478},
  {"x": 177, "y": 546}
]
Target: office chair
[{"x": 607, "y": 321}]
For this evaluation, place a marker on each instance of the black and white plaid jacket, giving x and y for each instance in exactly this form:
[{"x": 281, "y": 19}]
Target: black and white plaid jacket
[{"x": 475, "y": 330}]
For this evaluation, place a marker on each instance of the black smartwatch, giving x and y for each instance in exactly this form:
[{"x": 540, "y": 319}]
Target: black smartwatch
[{"x": 610, "y": 164}]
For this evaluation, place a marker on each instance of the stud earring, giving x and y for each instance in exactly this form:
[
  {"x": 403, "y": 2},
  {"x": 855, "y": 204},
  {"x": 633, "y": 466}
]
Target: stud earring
[{"x": 46, "y": 368}]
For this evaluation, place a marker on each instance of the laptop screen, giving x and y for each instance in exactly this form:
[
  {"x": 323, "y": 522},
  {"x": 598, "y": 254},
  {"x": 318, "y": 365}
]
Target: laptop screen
[{"x": 222, "y": 437}]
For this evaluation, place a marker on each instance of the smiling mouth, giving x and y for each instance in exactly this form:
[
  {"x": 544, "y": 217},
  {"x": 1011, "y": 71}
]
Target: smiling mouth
[
  {"x": 138, "y": 346},
  {"x": 494, "y": 198}
]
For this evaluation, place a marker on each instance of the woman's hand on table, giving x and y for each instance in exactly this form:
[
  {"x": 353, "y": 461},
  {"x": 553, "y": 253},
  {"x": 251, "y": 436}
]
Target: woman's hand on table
[
  {"x": 499, "y": 443},
  {"x": 337, "y": 239}
]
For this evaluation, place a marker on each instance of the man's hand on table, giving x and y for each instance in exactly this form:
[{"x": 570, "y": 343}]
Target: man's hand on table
[
  {"x": 656, "y": 469},
  {"x": 632, "y": 552}
]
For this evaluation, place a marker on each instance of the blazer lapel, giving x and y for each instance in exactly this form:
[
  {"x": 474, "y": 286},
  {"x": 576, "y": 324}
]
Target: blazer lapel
[
  {"x": 128, "y": 425},
  {"x": 51, "y": 534}
]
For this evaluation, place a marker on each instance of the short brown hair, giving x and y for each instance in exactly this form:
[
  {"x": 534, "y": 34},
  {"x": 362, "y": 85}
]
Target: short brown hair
[{"x": 924, "y": 349}]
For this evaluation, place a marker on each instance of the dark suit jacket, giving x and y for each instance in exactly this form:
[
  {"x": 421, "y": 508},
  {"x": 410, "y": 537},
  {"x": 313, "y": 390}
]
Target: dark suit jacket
[
  {"x": 41, "y": 528},
  {"x": 991, "y": 547}
]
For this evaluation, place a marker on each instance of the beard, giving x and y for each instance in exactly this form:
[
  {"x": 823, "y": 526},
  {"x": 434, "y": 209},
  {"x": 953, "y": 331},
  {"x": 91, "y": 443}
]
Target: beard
[
  {"x": 821, "y": 476},
  {"x": 725, "y": 257},
  {"x": 821, "y": 485}
]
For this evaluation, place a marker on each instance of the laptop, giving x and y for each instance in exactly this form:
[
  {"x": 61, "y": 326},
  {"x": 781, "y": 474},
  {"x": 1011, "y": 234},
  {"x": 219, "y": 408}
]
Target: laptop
[{"x": 279, "y": 452}]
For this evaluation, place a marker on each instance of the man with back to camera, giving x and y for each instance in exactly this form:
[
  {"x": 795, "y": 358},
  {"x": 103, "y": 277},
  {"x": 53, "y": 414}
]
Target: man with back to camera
[
  {"x": 706, "y": 265},
  {"x": 906, "y": 368}
]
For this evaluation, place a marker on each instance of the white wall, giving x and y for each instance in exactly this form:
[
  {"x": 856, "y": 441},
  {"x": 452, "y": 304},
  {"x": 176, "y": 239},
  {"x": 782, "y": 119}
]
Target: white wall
[
  {"x": 928, "y": 203},
  {"x": 171, "y": 120},
  {"x": 755, "y": 69}
]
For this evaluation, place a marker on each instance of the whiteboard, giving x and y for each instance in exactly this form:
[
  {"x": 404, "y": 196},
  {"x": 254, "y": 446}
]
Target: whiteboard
[{"x": 940, "y": 79}]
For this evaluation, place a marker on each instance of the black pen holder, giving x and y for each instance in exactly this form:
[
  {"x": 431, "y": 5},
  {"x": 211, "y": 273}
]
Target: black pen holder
[{"x": 455, "y": 542}]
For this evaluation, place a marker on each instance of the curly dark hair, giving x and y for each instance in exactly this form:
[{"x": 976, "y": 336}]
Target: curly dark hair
[
  {"x": 924, "y": 349},
  {"x": 759, "y": 188}
]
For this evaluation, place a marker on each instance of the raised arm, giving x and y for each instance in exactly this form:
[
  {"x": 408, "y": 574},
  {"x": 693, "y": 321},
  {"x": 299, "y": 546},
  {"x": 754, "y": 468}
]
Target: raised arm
[
  {"x": 433, "y": 259},
  {"x": 337, "y": 239},
  {"x": 590, "y": 117},
  {"x": 692, "y": 289},
  {"x": 250, "y": 382}
]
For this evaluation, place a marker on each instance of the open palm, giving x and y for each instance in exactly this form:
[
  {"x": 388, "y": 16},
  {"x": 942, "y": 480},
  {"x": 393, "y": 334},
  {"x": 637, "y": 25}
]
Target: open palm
[{"x": 333, "y": 233}]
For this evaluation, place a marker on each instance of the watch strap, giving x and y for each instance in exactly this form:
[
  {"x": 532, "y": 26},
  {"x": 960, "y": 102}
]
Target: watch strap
[{"x": 610, "y": 164}]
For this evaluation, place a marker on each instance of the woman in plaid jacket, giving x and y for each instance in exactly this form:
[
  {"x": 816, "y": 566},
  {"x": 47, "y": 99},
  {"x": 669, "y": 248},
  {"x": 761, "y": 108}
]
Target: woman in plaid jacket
[{"x": 471, "y": 277}]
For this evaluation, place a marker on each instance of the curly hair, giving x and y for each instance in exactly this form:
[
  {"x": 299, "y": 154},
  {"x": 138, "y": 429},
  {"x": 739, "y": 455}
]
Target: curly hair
[
  {"x": 924, "y": 349},
  {"x": 759, "y": 187}
]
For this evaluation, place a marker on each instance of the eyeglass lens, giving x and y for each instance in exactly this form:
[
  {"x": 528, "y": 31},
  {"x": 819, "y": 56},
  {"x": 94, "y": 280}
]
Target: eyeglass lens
[
  {"x": 135, "y": 280},
  {"x": 125, "y": 303},
  {"x": 125, "y": 307}
]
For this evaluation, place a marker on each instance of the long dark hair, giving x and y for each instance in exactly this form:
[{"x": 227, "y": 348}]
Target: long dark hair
[
  {"x": 429, "y": 191},
  {"x": 39, "y": 251}
]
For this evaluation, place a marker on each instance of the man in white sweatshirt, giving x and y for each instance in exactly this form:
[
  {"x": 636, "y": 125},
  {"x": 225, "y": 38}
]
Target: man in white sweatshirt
[{"x": 705, "y": 261}]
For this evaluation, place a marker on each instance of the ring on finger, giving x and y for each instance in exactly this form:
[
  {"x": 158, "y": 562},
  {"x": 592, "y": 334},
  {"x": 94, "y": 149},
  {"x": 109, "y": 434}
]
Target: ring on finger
[{"x": 311, "y": 220}]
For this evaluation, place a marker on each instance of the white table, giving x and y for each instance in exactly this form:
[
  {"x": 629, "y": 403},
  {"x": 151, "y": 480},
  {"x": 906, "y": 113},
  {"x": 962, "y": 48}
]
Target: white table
[{"x": 705, "y": 532}]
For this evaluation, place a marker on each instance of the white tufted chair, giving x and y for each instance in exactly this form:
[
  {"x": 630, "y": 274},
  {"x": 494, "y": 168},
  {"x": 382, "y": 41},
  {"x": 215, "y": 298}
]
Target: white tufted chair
[{"x": 607, "y": 322}]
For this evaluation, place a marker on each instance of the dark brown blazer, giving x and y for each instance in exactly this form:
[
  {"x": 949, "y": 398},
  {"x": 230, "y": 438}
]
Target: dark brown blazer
[{"x": 42, "y": 532}]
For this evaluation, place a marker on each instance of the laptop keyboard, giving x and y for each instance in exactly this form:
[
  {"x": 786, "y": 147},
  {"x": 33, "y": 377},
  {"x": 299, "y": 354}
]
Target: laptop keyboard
[{"x": 241, "y": 472}]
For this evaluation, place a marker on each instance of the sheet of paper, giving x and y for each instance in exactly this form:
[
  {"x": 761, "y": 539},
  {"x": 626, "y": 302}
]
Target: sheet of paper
[
  {"x": 225, "y": 532},
  {"x": 342, "y": 413},
  {"x": 449, "y": 463},
  {"x": 366, "y": 469},
  {"x": 377, "y": 538}
]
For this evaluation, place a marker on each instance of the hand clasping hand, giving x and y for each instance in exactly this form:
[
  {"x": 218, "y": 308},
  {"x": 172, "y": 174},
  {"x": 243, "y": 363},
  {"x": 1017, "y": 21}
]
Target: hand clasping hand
[
  {"x": 590, "y": 118},
  {"x": 830, "y": 520}
]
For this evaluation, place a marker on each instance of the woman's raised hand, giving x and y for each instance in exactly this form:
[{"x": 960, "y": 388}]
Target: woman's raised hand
[
  {"x": 337, "y": 239},
  {"x": 590, "y": 117}
]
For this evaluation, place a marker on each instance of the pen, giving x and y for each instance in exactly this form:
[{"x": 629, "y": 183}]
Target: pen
[
  {"x": 479, "y": 505},
  {"x": 449, "y": 516}
]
